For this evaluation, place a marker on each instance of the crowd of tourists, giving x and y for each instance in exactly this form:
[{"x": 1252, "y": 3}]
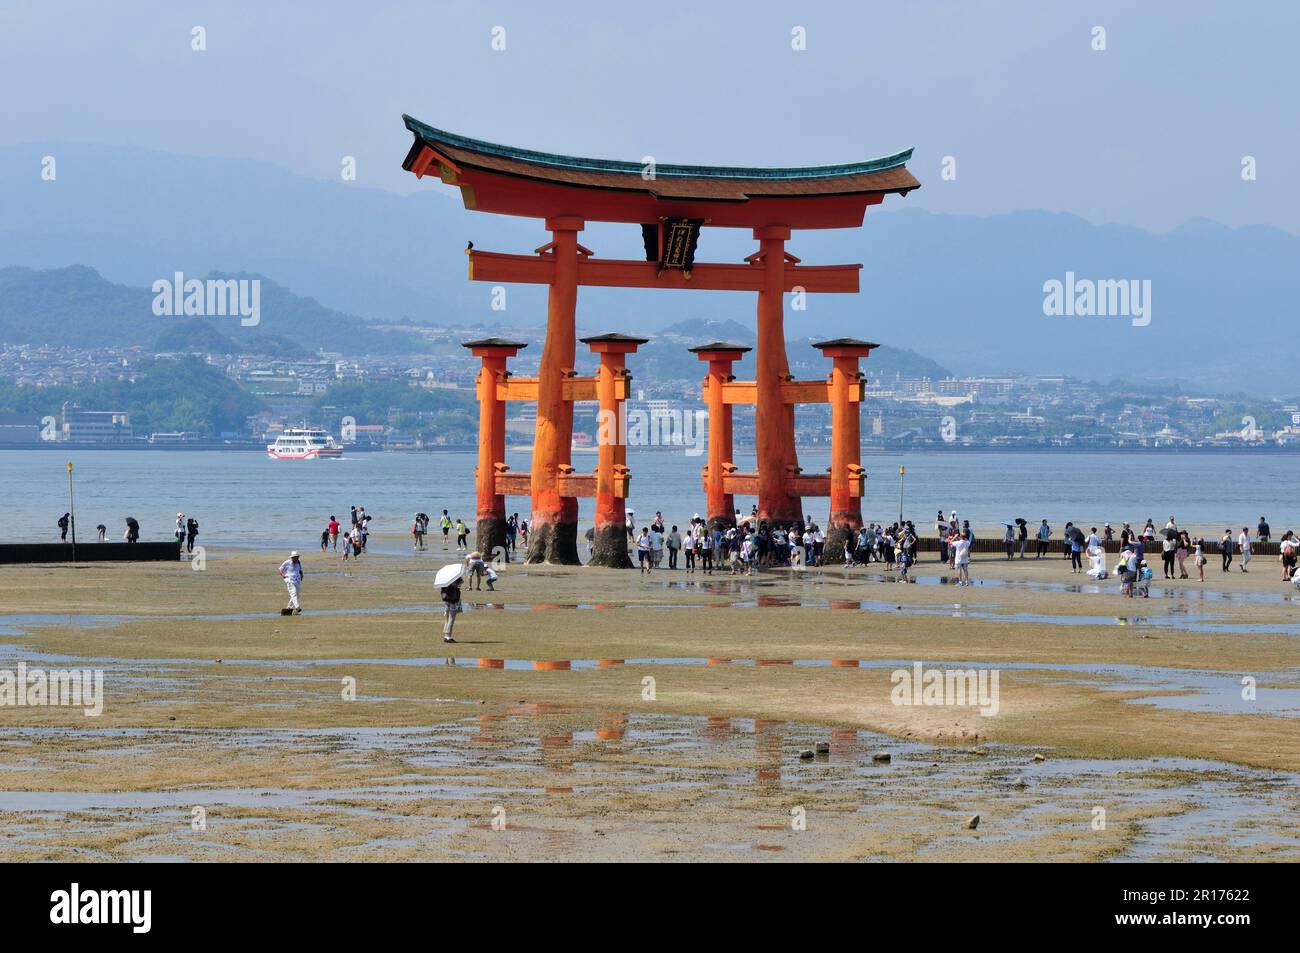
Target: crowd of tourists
[
  {"x": 752, "y": 544},
  {"x": 354, "y": 538},
  {"x": 741, "y": 549}
]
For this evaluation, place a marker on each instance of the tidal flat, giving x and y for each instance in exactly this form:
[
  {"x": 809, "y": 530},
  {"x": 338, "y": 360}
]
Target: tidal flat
[{"x": 589, "y": 714}]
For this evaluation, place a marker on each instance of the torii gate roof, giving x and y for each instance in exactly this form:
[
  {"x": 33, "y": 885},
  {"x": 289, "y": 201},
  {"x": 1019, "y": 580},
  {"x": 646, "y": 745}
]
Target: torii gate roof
[{"x": 512, "y": 181}]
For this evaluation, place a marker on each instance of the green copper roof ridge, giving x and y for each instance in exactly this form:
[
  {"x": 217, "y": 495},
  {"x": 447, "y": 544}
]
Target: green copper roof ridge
[{"x": 663, "y": 170}]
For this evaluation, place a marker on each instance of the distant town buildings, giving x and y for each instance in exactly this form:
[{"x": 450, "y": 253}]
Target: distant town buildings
[
  {"x": 94, "y": 426},
  {"x": 1011, "y": 410}
]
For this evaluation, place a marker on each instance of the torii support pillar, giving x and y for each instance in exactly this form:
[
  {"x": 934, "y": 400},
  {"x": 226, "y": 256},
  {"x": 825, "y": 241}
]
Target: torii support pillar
[
  {"x": 553, "y": 536},
  {"x": 847, "y": 476},
  {"x": 778, "y": 462},
  {"x": 613, "y": 383},
  {"x": 494, "y": 352},
  {"x": 720, "y": 505}
]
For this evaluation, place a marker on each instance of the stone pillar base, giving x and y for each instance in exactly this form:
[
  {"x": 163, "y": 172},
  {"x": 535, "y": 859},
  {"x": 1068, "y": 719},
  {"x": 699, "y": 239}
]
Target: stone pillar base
[
  {"x": 723, "y": 523},
  {"x": 609, "y": 548},
  {"x": 491, "y": 538},
  {"x": 782, "y": 513},
  {"x": 842, "y": 532},
  {"x": 555, "y": 543}
]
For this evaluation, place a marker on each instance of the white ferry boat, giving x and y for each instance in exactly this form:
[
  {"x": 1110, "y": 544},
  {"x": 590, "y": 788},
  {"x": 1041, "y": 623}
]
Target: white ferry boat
[{"x": 303, "y": 445}]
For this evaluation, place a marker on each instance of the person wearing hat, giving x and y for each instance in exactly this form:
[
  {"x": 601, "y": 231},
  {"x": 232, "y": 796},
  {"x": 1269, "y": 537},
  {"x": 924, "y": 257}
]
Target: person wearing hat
[
  {"x": 180, "y": 528},
  {"x": 291, "y": 572}
]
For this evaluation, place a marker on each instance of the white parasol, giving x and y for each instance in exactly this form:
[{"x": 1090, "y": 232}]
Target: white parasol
[{"x": 449, "y": 574}]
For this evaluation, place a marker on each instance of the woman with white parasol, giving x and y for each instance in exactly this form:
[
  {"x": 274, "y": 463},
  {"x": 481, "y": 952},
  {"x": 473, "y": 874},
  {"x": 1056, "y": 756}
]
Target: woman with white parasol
[{"x": 448, "y": 581}]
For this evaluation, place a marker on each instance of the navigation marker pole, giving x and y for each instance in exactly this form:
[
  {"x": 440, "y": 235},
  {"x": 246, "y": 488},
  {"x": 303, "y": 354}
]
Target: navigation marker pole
[
  {"x": 901, "y": 471},
  {"x": 72, "y": 513}
]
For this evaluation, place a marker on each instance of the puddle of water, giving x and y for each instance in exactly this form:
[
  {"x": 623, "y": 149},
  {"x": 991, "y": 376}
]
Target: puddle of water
[
  {"x": 1201, "y": 691},
  {"x": 1177, "y": 615},
  {"x": 555, "y": 752}
]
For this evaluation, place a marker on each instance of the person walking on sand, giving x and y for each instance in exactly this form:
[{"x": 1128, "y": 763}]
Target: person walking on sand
[
  {"x": 674, "y": 543},
  {"x": 1168, "y": 552},
  {"x": 749, "y": 553},
  {"x": 512, "y": 534},
  {"x": 1009, "y": 540},
  {"x": 1180, "y": 554},
  {"x": 445, "y": 523},
  {"x": 291, "y": 572},
  {"x": 1243, "y": 542},
  {"x": 1132, "y": 567},
  {"x": 462, "y": 535},
  {"x": 334, "y": 533},
  {"x": 643, "y": 550},
  {"x": 961, "y": 556},
  {"x": 1287, "y": 555},
  {"x": 1044, "y": 534},
  {"x": 1262, "y": 532},
  {"x": 905, "y": 554},
  {"x": 1074, "y": 543},
  {"x": 1092, "y": 543},
  {"x": 451, "y": 608},
  {"x": 325, "y": 540},
  {"x": 1225, "y": 547},
  {"x": 1200, "y": 558}
]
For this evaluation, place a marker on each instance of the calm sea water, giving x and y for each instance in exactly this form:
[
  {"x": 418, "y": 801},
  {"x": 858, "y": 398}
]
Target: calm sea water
[{"x": 246, "y": 498}]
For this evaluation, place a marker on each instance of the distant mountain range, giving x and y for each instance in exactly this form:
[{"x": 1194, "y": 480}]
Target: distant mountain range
[
  {"x": 76, "y": 307},
  {"x": 667, "y": 356},
  {"x": 965, "y": 292}
]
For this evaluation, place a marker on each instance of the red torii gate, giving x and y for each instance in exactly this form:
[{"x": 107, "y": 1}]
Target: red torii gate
[{"x": 566, "y": 192}]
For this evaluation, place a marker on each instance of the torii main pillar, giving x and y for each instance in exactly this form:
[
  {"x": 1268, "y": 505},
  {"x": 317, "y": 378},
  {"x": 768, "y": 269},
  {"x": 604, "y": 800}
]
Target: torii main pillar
[
  {"x": 778, "y": 461},
  {"x": 494, "y": 353},
  {"x": 847, "y": 476},
  {"x": 553, "y": 535},
  {"x": 720, "y": 506},
  {"x": 609, "y": 540}
]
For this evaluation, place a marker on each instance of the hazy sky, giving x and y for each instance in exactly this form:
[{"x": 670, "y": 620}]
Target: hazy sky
[{"x": 1151, "y": 131}]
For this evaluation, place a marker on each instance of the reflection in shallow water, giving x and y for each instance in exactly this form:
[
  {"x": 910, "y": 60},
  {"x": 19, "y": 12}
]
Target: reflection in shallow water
[
  {"x": 1202, "y": 691},
  {"x": 749, "y": 771}
]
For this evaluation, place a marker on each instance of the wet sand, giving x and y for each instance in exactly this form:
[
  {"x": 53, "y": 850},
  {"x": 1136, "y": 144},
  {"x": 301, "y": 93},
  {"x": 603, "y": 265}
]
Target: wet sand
[{"x": 215, "y": 702}]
